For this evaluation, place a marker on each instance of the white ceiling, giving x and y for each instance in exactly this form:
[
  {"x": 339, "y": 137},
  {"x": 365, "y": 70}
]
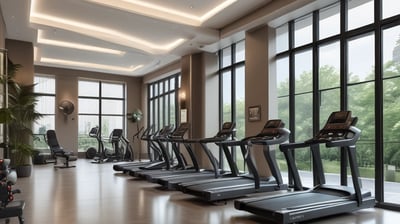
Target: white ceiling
[{"x": 149, "y": 34}]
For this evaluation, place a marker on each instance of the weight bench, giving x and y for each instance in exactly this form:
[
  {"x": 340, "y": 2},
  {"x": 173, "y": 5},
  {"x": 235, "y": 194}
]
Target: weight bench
[{"x": 66, "y": 158}]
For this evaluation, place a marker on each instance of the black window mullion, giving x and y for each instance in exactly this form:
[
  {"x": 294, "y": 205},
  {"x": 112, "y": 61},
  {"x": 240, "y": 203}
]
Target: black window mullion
[{"x": 379, "y": 149}]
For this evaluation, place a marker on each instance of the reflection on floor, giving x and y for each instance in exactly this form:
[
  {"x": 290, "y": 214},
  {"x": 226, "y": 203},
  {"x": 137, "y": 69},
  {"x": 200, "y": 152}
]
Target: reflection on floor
[{"x": 94, "y": 193}]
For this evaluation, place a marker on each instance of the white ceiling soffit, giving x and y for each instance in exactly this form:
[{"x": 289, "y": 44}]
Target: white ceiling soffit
[{"x": 127, "y": 37}]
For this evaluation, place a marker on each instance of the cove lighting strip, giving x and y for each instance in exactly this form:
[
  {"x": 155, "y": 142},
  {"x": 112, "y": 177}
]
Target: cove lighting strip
[
  {"x": 90, "y": 65},
  {"x": 42, "y": 40},
  {"x": 103, "y": 33},
  {"x": 164, "y": 13}
]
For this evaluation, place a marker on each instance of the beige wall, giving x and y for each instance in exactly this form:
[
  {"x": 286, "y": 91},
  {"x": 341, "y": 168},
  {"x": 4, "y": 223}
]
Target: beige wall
[
  {"x": 257, "y": 82},
  {"x": 21, "y": 52},
  {"x": 67, "y": 89},
  {"x": 2, "y": 31}
]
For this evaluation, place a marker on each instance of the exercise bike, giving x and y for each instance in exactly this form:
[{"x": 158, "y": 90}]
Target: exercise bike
[{"x": 118, "y": 153}]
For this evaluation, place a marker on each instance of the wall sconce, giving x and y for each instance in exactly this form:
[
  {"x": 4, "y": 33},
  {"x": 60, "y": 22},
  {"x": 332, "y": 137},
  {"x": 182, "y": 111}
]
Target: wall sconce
[
  {"x": 182, "y": 99},
  {"x": 67, "y": 107},
  {"x": 183, "y": 109}
]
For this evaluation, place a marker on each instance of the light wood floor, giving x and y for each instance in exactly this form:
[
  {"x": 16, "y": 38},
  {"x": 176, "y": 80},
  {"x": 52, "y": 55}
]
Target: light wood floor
[{"x": 94, "y": 193}]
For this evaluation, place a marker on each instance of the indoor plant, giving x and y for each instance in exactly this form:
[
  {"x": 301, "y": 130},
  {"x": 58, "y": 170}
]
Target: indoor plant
[{"x": 18, "y": 117}]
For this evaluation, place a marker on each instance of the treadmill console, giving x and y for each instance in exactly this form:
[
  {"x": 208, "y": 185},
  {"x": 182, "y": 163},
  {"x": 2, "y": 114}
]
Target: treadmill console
[
  {"x": 179, "y": 131},
  {"x": 227, "y": 130},
  {"x": 337, "y": 126},
  {"x": 272, "y": 128}
]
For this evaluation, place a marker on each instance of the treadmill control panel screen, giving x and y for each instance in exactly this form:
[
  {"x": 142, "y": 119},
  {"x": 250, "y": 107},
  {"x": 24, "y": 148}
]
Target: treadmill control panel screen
[
  {"x": 337, "y": 126},
  {"x": 271, "y": 128}
]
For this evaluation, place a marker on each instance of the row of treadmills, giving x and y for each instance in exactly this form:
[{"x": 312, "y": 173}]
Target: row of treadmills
[{"x": 289, "y": 203}]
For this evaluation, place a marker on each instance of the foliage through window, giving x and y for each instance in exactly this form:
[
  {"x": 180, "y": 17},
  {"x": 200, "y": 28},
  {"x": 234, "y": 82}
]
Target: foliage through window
[{"x": 349, "y": 66}]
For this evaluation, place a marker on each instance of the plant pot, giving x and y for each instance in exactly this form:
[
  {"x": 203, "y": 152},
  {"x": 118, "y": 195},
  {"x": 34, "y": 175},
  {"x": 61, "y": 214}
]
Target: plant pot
[{"x": 23, "y": 170}]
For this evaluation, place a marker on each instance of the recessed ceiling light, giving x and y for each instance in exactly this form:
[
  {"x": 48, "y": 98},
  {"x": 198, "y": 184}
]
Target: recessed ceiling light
[
  {"x": 102, "y": 33},
  {"x": 90, "y": 65},
  {"x": 42, "y": 40},
  {"x": 164, "y": 13}
]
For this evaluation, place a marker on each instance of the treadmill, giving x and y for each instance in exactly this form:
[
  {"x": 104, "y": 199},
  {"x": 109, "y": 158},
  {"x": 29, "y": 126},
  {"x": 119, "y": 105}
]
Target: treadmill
[
  {"x": 170, "y": 180},
  {"x": 147, "y": 135},
  {"x": 174, "y": 160},
  {"x": 152, "y": 140},
  {"x": 273, "y": 133},
  {"x": 321, "y": 200}
]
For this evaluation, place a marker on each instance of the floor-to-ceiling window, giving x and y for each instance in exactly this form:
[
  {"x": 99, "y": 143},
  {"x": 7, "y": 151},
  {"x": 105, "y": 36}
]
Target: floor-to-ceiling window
[
  {"x": 162, "y": 101},
  {"x": 101, "y": 104},
  {"x": 45, "y": 88},
  {"x": 232, "y": 89},
  {"x": 345, "y": 56}
]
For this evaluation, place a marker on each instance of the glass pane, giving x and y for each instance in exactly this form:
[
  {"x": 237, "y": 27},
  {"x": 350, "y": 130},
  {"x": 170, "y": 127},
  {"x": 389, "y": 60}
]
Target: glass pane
[
  {"x": 330, "y": 101},
  {"x": 172, "y": 108},
  {"x": 361, "y": 59},
  {"x": 391, "y": 117},
  {"x": 39, "y": 142},
  {"x": 86, "y": 123},
  {"x": 329, "y": 21},
  {"x": 240, "y": 100},
  {"x": 155, "y": 89},
  {"x": 391, "y": 52},
  {"x": 156, "y": 115},
  {"x": 161, "y": 88},
  {"x": 283, "y": 110},
  {"x": 44, "y": 84},
  {"x": 45, "y": 104},
  {"x": 360, "y": 13},
  {"x": 227, "y": 96},
  {"x": 160, "y": 111},
  {"x": 109, "y": 123},
  {"x": 112, "y": 107},
  {"x": 88, "y": 88},
  {"x": 240, "y": 52},
  {"x": 303, "y": 31},
  {"x": 303, "y": 117},
  {"x": 112, "y": 90},
  {"x": 282, "y": 38},
  {"x": 282, "y": 76},
  {"x": 151, "y": 112},
  {"x": 226, "y": 57},
  {"x": 43, "y": 124},
  {"x": 361, "y": 103},
  {"x": 391, "y": 68},
  {"x": 329, "y": 62},
  {"x": 151, "y": 92},
  {"x": 390, "y": 8},
  {"x": 303, "y": 72},
  {"x": 303, "y": 131},
  {"x": 172, "y": 84},
  {"x": 88, "y": 106}
]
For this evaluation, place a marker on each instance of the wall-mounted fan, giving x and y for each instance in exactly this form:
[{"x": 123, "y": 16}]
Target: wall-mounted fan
[{"x": 67, "y": 107}]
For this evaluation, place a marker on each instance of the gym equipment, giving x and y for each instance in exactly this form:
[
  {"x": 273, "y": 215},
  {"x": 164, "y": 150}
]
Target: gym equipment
[
  {"x": 321, "y": 200},
  {"x": 8, "y": 206},
  {"x": 174, "y": 160},
  {"x": 128, "y": 165},
  {"x": 156, "y": 162},
  {"x": 66, "y": 158},
  {"x": 170, "y": 180},
  {"x": 273, "y": 133},
  {"x": 107, "y": 155}
]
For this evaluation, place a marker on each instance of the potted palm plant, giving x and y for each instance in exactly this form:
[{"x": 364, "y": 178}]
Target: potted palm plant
[{"x": 19, "y": 116}]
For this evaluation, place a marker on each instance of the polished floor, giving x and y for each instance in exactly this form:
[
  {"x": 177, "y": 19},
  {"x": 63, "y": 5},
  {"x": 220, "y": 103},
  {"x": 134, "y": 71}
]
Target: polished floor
[{"x": 94, "y": 193}]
